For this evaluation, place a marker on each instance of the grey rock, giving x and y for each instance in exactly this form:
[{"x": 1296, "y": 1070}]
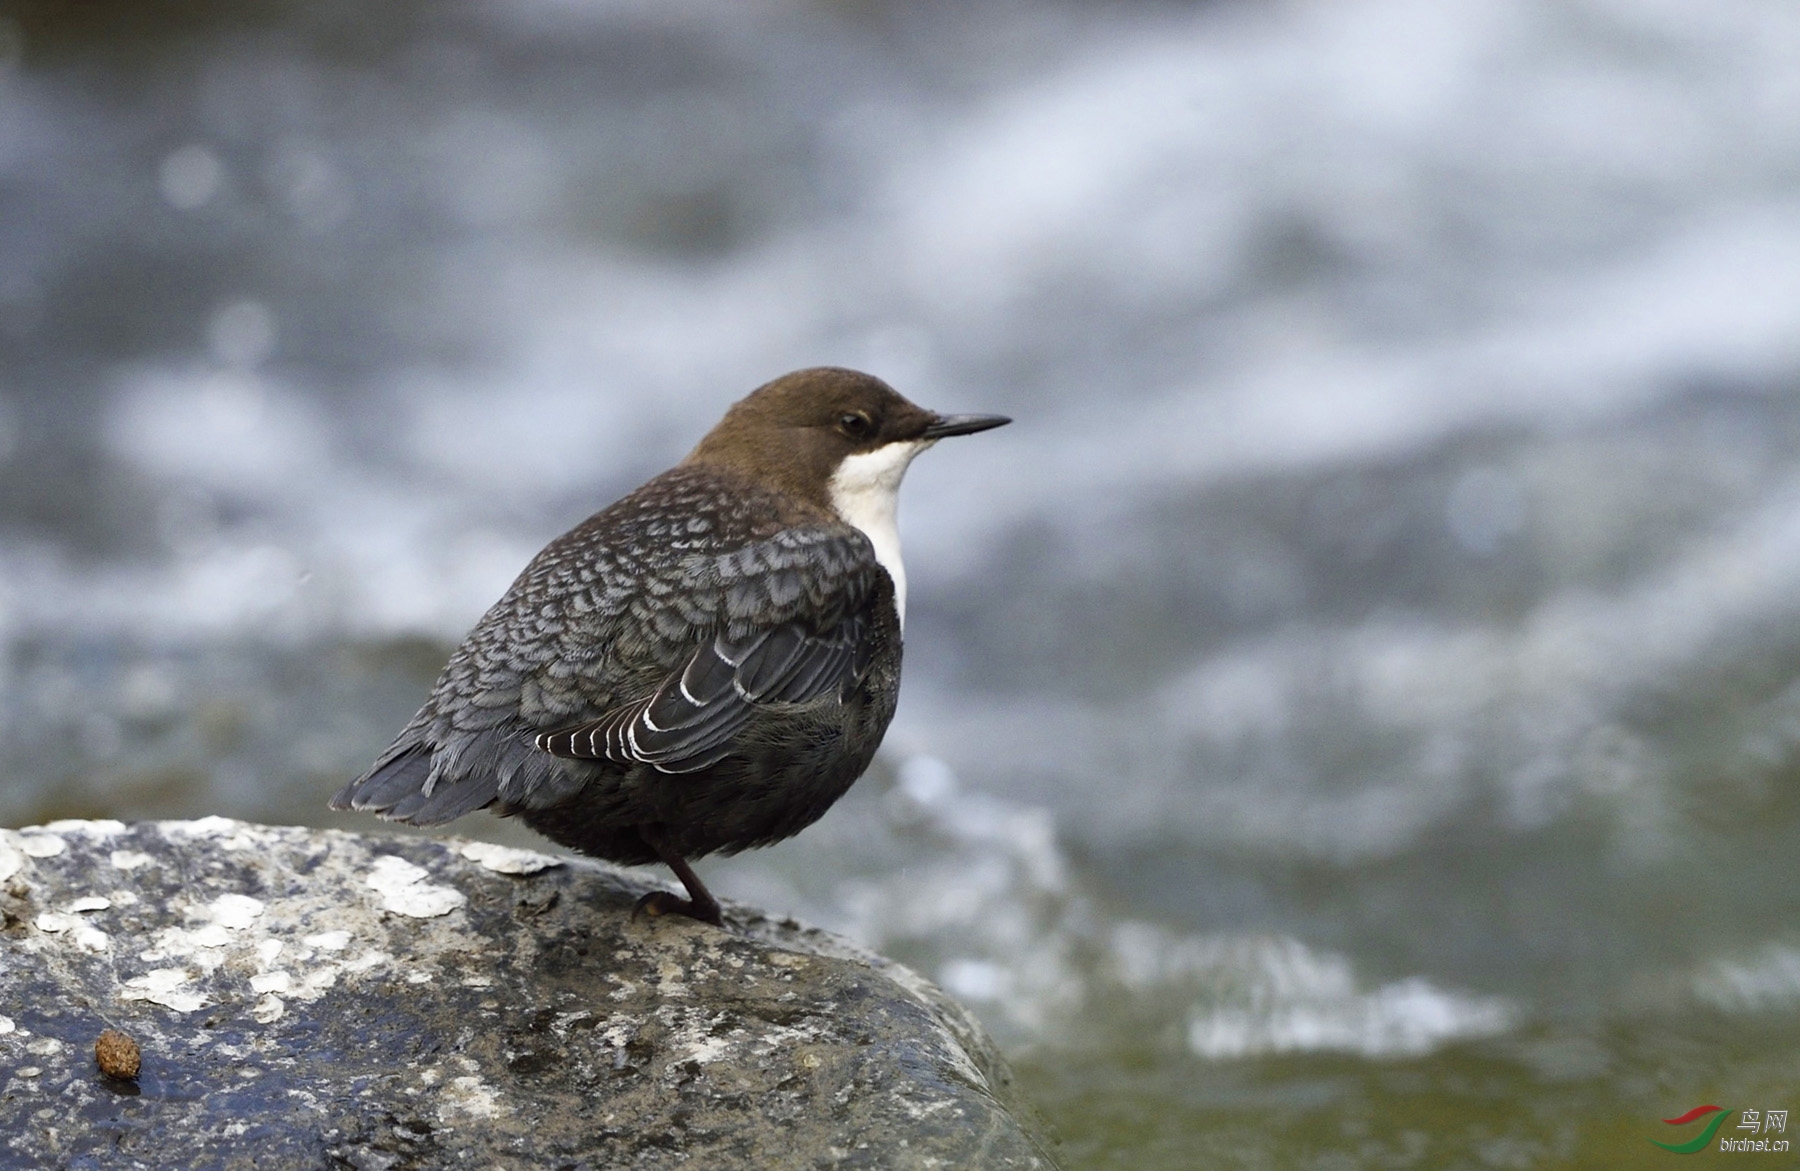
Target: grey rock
[{"x": 310, "y": 998}]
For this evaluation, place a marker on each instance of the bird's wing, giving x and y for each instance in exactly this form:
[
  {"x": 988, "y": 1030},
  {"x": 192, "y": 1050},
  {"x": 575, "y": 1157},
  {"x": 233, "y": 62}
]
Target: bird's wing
[
  {"x": 693, "y": 715},
  {"x": 691, "y": 721}
]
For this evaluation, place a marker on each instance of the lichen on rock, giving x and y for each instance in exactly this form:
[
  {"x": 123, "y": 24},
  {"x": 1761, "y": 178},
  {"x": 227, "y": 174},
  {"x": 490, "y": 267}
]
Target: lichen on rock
[{"x": 315, "y": 998}]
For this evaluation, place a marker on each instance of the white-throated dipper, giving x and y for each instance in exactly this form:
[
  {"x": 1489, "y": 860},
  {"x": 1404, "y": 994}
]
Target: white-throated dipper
[{"x": 702, "y": 667}]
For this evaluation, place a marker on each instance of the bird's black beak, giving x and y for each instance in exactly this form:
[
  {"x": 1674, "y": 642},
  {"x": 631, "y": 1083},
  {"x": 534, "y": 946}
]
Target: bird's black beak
[{"x": 945, "y": 426}]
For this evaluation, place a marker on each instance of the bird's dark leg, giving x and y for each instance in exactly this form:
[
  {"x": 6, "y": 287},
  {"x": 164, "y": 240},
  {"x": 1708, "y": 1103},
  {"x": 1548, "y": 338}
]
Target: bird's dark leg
[{"x": 698, "y": 905}]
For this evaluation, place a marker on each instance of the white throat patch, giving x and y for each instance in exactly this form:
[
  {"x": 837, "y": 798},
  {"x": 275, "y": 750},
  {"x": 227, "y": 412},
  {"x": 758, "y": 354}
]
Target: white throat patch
[{"x": 865, "y": 492}]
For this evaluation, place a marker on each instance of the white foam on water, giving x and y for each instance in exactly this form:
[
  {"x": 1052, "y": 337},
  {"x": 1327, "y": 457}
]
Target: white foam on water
[
  {"x": 984, "y": 899},
  {"x": 1264, "y": 995},
  {"x": 1147, "y": 166},
  {"x": 1765, "y": 979}
]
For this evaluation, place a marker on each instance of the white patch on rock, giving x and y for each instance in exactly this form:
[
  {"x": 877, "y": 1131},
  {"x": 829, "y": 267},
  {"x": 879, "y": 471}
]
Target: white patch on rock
[
  {"x": 6, "y": 1025},
  {"x": 367, "y": 960},
  {"x": 167, "y": 987},
  {"x": 919, "y": 1111},
  {"x": 42, "y": 845},
  {"x": 277, "y": 981},
  {"x": 268, "y": 1010},
  {"x": 316, "y": 982},
  {"x": 130, "y": 859},
  {"x": 328, "y": 940},
  {"x": 472, "y": 1096},
  {"x": 404, "y": 891},
  {"x": 708, "y": 1051},
  {"x": 104, "y": 827},
  {"x": 44, "y": 1047},
  {"x": 80, "y": 934},
  {"x": 88, "y": 903},
  {"x": 505, "y": 859},
  {"x": 234, "y": 912},
  {"x": 200, "y": 827},
  {"x": 12, "y": 858},
  {"x": 230, "y": 834}
]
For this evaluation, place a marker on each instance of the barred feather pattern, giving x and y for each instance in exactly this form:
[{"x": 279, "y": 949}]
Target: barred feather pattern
[{"x": 651, "y": 647}]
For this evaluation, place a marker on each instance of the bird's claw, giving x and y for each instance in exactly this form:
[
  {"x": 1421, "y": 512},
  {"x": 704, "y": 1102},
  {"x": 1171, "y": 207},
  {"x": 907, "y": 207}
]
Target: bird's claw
[{"x": 662, "y": 902}]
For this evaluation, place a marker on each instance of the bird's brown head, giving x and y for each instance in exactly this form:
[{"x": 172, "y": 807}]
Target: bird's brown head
[{"x": 825, "y": 433}]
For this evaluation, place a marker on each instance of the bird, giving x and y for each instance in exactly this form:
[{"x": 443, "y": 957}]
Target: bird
[{"x": 703, "y": 666}]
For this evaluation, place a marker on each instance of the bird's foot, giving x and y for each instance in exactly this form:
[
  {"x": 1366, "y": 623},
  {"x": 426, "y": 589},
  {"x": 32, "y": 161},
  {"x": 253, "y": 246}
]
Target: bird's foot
[{"x": 662, "y": 902}]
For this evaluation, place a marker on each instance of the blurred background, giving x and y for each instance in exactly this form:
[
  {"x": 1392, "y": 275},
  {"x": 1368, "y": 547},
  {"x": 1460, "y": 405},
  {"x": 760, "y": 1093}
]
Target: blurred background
[{"x": 1351, "y": 717}]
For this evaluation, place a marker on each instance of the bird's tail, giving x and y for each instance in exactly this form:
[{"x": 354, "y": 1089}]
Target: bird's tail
[{"x": 401, "y": 788}]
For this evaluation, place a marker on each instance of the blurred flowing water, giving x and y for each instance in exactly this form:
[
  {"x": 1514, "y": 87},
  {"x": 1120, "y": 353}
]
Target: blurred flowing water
[{"x": 1352, "y": 717}]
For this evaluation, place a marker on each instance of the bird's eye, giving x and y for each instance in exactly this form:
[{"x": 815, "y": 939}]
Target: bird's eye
[{"x": 856, "y": 425}]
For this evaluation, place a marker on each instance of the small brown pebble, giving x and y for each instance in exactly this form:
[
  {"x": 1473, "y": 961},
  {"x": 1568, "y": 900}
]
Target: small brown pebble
[{"x": 117, "y": 1055}]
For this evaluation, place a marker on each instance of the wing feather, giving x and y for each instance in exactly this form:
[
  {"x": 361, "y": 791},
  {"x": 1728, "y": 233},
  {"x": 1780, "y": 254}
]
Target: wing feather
[{"x": 694, "y": 718}]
